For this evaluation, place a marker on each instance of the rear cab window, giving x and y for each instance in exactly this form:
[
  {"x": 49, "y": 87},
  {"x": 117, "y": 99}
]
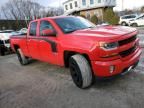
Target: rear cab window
[{"x": 33, "y": 29}]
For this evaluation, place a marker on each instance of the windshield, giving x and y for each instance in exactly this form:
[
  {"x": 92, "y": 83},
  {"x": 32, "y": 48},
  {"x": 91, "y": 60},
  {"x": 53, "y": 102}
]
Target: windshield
[
  {"x": 140, "y": 17},
  {"x": 71, "y": 24}
]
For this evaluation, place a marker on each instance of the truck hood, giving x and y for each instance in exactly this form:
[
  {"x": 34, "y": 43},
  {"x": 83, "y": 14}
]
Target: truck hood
[
  {"x": 5, "y": 36},
  {"x": 110, "y": 32}
]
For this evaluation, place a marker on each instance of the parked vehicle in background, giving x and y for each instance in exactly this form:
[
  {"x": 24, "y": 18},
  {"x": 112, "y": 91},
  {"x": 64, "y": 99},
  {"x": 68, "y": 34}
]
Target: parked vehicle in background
[
  {"x": 76, "y": 43},
  {"x": 4, "y": 41},
  {"x": 139, "y": 21},
  {"x": 124, "y": 20},
  {"x": 22, "y": 31}
]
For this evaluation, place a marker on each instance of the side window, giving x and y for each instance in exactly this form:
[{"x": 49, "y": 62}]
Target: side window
[
  {"x": 76, "y": 4},
  {"x": 71, "y": 6},
  {"x": 127, "y": 17},
  {"x": 83, "y": 2},
  {"x": 123, "y": 17},
  {"x": 130, "y": 16},
  {"x": 66, "y": 7},
  {"x": 33, "y": 27},
  {"x": 133, "y": 16},
  {"x": 91, "y": 2},
  {"x": 45, "y": 25},
  {"x": 99, "y": 1}
]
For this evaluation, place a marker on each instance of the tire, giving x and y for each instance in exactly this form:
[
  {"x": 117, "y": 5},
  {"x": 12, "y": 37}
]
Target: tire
[
  {"x": 124, "y": 24},
  {"x": 80, "y": 71},
  {"x": 135, "y": 25},
  {"x": 22, "y": 59},
  {"x": 2, "y": 51}
]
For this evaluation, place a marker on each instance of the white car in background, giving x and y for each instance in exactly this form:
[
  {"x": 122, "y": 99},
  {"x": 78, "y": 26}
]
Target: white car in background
[
  {"x": 4, "y": 41},
  {"x": 22, "y": 31},
  {"x": 139, "y": 21},
  {"x": 124, "y": 20}
]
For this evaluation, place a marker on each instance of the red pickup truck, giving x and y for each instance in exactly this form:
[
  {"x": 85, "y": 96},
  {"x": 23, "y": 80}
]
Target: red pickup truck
[{"x": 74, "y": 42}]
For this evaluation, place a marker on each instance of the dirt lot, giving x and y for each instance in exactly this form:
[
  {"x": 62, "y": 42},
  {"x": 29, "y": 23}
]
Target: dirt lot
[{"x": 41, "y": 85}]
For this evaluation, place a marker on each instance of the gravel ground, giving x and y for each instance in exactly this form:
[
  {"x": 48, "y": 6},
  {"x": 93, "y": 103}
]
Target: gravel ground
[
  {"x": 141, "y": 42},
  {"x": 141, "y": 30},
  {"x": 41, "y": 85}
]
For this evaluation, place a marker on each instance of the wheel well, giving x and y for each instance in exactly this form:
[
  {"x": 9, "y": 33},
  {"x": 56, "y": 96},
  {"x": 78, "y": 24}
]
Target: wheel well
[
  {"x": 16, "y": 47},
  {"x": 68, "y": 54},
  {"x": 123, "y": 22}
]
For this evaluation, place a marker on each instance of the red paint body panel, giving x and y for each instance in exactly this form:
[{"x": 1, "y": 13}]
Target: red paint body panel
[
  {"x": 83, "y": 42},
  {"x": 101, "y": 68}
]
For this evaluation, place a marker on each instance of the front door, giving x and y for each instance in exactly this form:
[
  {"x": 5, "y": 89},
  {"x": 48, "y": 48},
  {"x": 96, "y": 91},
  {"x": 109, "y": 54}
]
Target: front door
[{"x": 48, "y": 44}]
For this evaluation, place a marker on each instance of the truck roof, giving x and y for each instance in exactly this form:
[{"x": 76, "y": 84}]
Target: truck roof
[{"x": 55, "y": 17}]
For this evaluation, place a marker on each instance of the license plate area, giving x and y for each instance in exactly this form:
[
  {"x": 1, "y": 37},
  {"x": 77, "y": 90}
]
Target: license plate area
[{"x": 130, "y": 68}]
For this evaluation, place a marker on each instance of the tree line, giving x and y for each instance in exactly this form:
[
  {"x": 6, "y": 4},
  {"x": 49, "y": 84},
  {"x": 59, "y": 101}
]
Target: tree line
[{"x": 26, "y": 10}]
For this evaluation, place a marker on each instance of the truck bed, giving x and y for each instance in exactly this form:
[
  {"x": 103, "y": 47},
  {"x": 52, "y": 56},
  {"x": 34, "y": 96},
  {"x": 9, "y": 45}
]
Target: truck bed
[{"x": 21, "y": 41}]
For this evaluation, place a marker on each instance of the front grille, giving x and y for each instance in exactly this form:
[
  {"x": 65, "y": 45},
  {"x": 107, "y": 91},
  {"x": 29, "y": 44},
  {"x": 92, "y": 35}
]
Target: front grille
[
  {"x": 128, "y": 52},
  {"x": 7, "y": 41},
  {"x": 126, "y": 41},
  {"x": 1, "y": 42}
]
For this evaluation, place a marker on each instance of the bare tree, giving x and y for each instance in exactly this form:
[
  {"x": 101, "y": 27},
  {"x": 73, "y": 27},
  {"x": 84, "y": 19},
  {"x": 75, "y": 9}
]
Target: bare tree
[
  {"x": 54, "y": 11},
  {"x": 21, "y": 10},
  {"x": 27, "y": 10}
]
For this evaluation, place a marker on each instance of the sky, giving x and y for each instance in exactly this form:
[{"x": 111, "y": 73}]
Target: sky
[{"x": 127, "y": 4}]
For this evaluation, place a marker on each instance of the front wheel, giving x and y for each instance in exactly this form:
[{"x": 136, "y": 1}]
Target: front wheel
[
  {"x": 22, "y": 59},
  {"x": 80, "y": 71},
  {"x": 124, "y": 24},
  {"x": 135, "y": 25}
]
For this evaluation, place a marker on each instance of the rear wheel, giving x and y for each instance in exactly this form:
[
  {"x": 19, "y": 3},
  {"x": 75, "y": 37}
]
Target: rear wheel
[
  {"x": 22, "y": 59},
  {"x": 80, "y": 71}
]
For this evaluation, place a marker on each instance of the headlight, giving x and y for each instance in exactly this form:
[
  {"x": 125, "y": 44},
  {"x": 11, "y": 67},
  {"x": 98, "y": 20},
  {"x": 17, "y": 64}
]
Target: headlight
[
  {"x": 109, "y": 46},
  {"x": 1, "y": 37}
]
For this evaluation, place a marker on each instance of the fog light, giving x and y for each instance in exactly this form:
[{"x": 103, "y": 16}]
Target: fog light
[{"x": 112, "y": 68}]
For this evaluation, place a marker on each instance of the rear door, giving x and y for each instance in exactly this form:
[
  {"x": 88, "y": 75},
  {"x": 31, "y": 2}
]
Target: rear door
[{"x": 32, "y": 41}]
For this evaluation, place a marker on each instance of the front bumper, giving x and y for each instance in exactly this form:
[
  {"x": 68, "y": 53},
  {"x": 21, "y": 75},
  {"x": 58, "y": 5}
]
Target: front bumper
[{"x": 102, "y": 69}]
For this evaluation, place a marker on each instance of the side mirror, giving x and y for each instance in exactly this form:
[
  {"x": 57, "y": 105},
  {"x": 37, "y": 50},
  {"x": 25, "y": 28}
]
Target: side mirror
[{"x": 48, "y": 32}]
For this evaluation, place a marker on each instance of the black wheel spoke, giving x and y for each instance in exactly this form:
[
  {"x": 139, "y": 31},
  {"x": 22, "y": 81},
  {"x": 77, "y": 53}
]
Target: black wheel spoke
[{"x": 76, "y": 76}]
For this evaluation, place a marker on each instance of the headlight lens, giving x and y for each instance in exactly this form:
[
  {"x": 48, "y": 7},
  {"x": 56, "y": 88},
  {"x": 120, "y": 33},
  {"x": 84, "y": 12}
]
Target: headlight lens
[{"x": 109, "y": 46}]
